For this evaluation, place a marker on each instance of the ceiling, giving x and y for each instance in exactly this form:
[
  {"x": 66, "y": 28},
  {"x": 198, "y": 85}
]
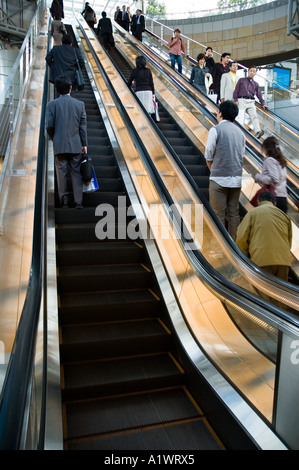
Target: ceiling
[{"x": 109, "y": 6}]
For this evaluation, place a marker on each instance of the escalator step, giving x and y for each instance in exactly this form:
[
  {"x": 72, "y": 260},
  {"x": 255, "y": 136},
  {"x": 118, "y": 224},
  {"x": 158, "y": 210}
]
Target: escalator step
[
  {"x": 121, "y": 376},
  {"x": 102, "y": 340},
  {"x": 107, "y": 306},
  {"x": 129, "y": 412},
  {"x": 98, "y": 253},
  {"x": 103, "y": 278},
  {"x": 191, "y": 435},
  {"x": 201, "y": 181},
  {"x": 184, "y": 150},
  {"x": 198, "y": 170},
  {"x": 189, "y": 159}
]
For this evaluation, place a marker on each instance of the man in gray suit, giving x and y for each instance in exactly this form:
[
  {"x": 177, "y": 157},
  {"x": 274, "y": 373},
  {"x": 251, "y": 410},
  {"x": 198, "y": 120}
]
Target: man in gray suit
[
  {"x": 66, "y": 126},
  {"x": 228, "y": 82}
]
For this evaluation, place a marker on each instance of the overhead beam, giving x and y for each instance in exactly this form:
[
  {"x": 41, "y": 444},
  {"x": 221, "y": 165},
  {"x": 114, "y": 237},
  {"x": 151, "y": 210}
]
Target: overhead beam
[{"x": 293, "y": 18}]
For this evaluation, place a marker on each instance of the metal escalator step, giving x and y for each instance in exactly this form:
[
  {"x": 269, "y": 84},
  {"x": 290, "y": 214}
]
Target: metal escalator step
[
  {"x": 171, "y": 134},
  {"x": 95, "y": 125},
  {"x": 99, "y": 149},
  {"x": 106, "y": 171},
  {"x": 97, "y": 138},
  {"x": 198, "y": 170},
  {"x": 102, "y": 197},
  {"x": 86, "y": 232},
  {"x": 183, "y": 150},
  {"x": 190, "y": 159},
  {"x": 129, "y": 412},
  {"x": 184, "y": 436},
  {"x": 104, "y": 252},
  {"x": 167, "y": 126},
  {"x": 121, "y": 376},
  {"x": 107, "y": 306},
  {"x": 179, "y": 142},
  {"x": 201, "y": 181},
  {"x": 101, "y": 278},
  {"x": 102, "y": 340}
]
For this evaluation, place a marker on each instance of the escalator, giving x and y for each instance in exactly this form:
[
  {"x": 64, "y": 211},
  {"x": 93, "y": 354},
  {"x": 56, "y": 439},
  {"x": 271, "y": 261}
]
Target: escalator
[
  {"x": 272, "y": 124},
  {"x": 189, "y": 155},
  {"x": 129, "y": 380},
  {"x": 253, "y": 160},
  {"x": 123, "y": 384}
]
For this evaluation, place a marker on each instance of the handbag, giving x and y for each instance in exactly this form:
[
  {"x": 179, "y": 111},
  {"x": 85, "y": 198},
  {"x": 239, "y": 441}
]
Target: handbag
[
  {"x": 86, "y": 168},
  {"x": 78, "y": 75},
  {"x": 213, "y": 97},
  {"x": 266, "y": 187}
]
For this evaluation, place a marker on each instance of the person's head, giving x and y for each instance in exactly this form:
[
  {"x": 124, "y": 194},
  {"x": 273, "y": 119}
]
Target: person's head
[
  {"x": 124, "y": 7},
  {"x": 104, "y": 14},
  {"x": 63, "y": 85},
  {"x": 66, "y": 40},
  {"x": 233, "y": 66},
  {"x": 201, "y": 58},
  {"x": 140, "y": 62},
  {"x": 209, "y": 51},
  {"x": 225, "y": 57},
  {"x": 177, "y": 32},
  {"x": 251, "y": 71},
  {"x": 138, "y": 12},
  {"x": 270, "y": 148},
  {"x": 227, "y": 110},
  {"x": 267, "y": 196}
]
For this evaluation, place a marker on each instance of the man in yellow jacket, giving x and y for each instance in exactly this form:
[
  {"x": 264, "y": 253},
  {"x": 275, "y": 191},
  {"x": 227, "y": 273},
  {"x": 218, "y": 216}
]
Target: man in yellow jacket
[{"x": 265, "y": 234}]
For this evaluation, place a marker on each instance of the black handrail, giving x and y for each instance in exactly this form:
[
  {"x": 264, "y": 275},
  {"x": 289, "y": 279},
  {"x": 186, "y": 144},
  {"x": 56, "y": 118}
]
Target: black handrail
[{"x": 15, "y": 394}]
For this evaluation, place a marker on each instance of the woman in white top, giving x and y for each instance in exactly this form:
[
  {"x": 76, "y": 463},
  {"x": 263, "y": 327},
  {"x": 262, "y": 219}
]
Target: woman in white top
[
  {"x": 57, "y": 30},
  {"x": 274, "y": 171}
]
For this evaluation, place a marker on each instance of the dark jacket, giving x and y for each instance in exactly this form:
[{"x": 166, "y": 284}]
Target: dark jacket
[
  {"x": 210, "y": 62},
  {"x": 138, "y": 28},
  {"x": 217, "y": 72},
  {"x": 143, "y": 80},
  {"x": 62, "y": 61},
  {"x": 104, "y": 26}
]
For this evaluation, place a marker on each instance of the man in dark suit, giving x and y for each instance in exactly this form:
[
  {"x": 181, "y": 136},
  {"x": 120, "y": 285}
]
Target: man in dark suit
[
  {"x": 105, "y": 31},
  {"x": 125, "y": 20},
  {"x": 62, "y": 60},
  {"x": 66, "y": 126},
  {"x": 138, "y": 25}
]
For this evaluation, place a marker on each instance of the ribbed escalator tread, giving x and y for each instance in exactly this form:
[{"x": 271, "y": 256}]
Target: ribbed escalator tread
[
  {"x": 102, "y": 277},
  {"x": 190, "y": 435},
  {"x": 129, "y": 412},
  {"x": 107, "y": 306},
  {"x": 98, "y": 252},
  {"x": 121, "y": 376},
  {"x": 95, "y": 341}
]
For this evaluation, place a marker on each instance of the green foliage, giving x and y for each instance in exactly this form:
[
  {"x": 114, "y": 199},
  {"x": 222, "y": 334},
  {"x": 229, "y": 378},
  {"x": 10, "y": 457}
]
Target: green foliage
[
  {"x": 155, "y": 8},
  {"x": 238, "y": 5}
]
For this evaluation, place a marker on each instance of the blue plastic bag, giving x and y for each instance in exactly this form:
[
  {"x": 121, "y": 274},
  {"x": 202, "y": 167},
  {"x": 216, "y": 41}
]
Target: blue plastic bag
[{"x": 92, "y": 185}]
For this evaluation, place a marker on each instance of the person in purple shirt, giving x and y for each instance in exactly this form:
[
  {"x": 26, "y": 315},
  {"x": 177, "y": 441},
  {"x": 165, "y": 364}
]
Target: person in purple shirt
[{"x": 244, "y": 95}]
